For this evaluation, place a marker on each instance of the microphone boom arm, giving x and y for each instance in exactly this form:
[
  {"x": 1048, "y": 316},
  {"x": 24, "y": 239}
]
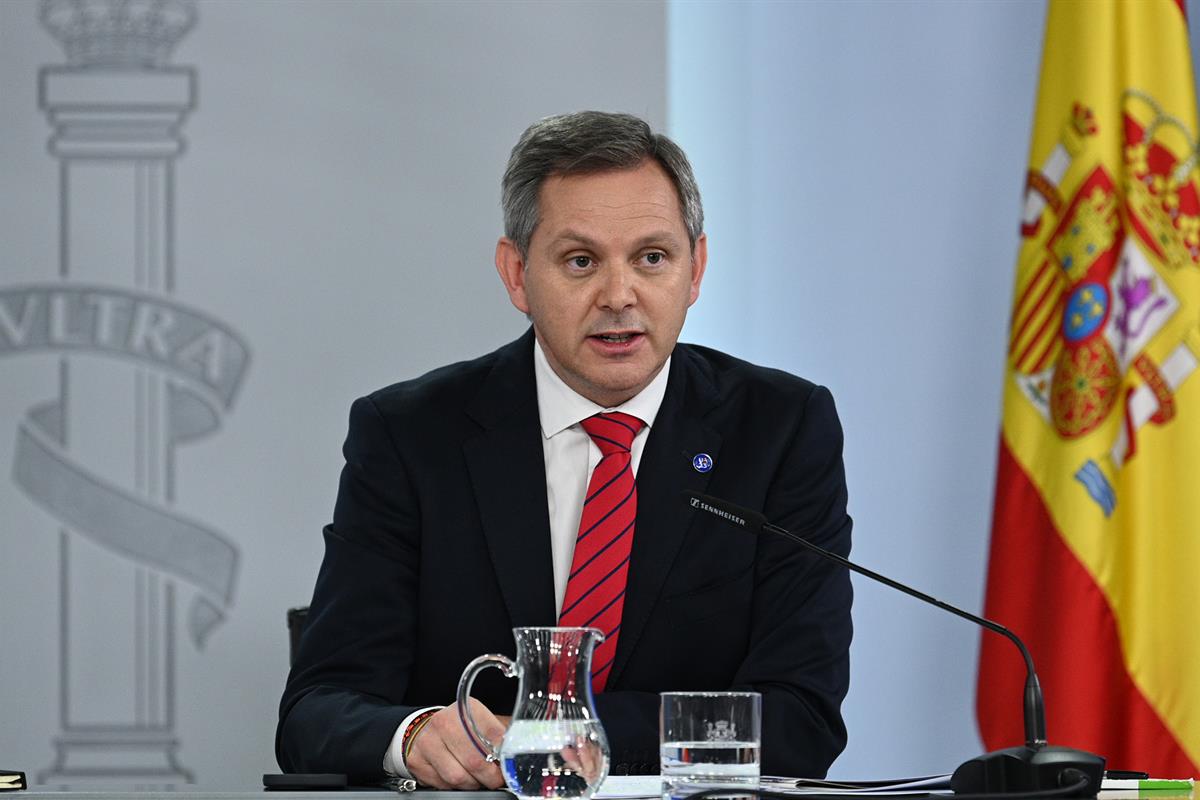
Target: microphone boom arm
[
  {"x": 1036, "y": 767},
  {"x": 1035, "y": 714}
]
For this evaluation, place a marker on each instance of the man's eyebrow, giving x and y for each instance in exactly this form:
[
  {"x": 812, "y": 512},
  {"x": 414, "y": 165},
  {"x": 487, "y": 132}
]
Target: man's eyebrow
[
  {"x": 573, "y": 237},
  {"x": 660, "y": 238}
]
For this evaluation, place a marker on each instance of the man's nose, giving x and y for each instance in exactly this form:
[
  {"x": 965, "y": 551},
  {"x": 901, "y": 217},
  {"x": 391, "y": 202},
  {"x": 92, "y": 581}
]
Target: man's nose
[{"x": 618, "y": 288}]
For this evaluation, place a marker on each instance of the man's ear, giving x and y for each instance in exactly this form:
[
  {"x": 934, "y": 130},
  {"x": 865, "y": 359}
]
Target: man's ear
[
  {"x": 510, "y": 264},
  {"x": 699, "y": 262}
]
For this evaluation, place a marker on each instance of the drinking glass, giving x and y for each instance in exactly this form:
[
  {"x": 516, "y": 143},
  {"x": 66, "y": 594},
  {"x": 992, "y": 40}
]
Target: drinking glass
[{"x": 709, "y": 740}]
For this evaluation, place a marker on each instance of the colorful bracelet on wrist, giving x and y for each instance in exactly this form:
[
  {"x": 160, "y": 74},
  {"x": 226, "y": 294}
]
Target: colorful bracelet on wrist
[{"x": 410, "y": 733}]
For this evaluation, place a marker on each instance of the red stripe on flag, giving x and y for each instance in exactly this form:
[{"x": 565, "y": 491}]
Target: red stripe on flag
[
  {"x": 1027, "y": 319},
  {"x": 1043, "y": 360},
  {"x": 1017, "y": 306},
  {"x": 1051, "y": 321},
  {"x": 1040, "y": 590},
  {"x": 1052, "y": 343}
]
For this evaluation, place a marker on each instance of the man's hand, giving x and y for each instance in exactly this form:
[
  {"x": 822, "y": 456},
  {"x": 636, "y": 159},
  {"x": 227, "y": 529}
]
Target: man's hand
[
  {"x": 442, "y": 755},
  {"x": 584, "y": 758}
]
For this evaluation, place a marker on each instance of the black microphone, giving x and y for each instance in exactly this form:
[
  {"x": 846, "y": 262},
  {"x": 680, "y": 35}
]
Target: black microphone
[{"x": 1035, "y": 766}]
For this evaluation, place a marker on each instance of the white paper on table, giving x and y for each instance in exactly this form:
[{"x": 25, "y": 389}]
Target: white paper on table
[
  {"x": 932, "y": 784},
  {"x": 628, "y": 786},
  {"x": 625, "y": 787}
]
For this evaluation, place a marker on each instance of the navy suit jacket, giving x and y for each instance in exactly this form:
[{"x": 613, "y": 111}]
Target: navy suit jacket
[{"x": 440, "y": 545}]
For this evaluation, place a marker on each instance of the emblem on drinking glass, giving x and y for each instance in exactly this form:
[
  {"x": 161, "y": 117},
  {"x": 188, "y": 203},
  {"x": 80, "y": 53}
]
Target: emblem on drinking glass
[{"x": 721, "y": 731}]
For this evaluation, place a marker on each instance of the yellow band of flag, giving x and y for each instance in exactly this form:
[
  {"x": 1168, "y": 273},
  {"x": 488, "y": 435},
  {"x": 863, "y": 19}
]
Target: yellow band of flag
[{"x": 1102, "y": 393}]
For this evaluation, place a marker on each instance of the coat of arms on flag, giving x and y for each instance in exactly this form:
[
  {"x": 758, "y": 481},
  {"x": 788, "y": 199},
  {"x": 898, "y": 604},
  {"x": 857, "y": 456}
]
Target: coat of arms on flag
[{"x": 1094, "y": 547}]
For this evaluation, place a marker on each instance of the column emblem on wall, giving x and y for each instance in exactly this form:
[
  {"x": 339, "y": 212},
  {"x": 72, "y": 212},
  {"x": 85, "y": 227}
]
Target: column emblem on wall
[{"x": 140, "y": 373}]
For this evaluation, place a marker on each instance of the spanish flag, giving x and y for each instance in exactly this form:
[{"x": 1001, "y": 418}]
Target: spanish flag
[{"x": 1095, "y": 552}]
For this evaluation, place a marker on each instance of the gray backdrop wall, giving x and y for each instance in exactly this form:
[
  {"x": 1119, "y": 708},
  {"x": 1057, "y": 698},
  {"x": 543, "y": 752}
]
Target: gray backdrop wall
[
  {"x": 867, "y": 236},
  {"x": 335, "y": 208},
  {"x": 863, "y": 164},
  {"x": 328, "y": 229}
]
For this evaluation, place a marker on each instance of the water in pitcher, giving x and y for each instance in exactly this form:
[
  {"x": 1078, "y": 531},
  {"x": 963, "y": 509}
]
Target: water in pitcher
[{"x": 554, "y": 758}]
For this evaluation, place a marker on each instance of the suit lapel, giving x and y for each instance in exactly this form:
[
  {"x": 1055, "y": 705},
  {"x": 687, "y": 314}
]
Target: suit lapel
[
  {"x": 513, "y": 512},
  {"x": 664, "y": 473}
]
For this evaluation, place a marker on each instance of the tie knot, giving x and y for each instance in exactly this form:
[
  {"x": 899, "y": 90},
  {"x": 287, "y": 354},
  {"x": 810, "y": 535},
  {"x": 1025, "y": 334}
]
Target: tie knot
[{"x": 613, "y": 432}]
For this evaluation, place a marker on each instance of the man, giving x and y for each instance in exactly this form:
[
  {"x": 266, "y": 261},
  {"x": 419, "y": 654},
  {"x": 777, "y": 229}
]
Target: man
[{"x": 466, "y": 491}]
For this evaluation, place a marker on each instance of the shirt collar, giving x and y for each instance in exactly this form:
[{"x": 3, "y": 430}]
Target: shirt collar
[{"x": 560, "y": 406}]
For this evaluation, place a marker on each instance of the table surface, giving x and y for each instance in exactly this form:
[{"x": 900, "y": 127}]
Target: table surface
[
  {"x": 375, "y": 794},
  {"x": 257, "y": 794}
]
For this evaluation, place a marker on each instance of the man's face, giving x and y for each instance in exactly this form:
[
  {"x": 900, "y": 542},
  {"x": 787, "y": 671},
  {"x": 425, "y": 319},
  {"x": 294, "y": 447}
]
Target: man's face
[{"x": 608, "y": 278}]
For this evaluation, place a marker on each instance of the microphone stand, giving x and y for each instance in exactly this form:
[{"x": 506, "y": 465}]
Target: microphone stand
[{"x": 1032, "y": 767}]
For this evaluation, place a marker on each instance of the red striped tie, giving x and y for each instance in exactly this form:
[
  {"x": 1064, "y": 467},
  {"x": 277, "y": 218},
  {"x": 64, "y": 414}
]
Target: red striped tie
[{"x": 596, "y": 588}]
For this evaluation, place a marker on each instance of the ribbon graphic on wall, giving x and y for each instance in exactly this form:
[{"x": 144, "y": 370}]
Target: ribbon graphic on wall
[{"x": 204, "y": 361}]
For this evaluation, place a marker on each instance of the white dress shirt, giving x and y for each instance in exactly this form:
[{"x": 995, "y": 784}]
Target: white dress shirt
[{"x": 570, "y": 456}]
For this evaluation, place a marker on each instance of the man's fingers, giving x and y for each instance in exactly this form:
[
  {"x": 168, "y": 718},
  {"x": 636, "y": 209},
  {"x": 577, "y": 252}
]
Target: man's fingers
[
  {"x": 436, "y": 766},
  {"x": 463, "y": 746},
  {"x": 424, "y": 772},
  {"x": 444, "y": 757},
  {"x": 490, "y": 725},
  {"x": 452, "y": 773}
]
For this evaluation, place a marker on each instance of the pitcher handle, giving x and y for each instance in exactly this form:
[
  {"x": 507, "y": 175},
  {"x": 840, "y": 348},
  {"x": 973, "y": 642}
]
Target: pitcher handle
[{"x": 505, "y": 665}]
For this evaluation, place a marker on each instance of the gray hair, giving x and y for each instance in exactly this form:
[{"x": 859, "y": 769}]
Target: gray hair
[{"x": 582, "y": 142}]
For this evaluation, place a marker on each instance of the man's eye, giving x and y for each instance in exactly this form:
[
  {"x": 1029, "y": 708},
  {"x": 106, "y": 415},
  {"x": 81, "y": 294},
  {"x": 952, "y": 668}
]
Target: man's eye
[
  {"x": 580, "y": 262},
  {"x": 654, "y": 259}
]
